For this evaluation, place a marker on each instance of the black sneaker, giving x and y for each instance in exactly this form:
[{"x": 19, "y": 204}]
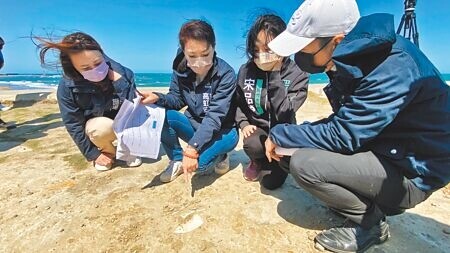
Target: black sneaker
[
  {"x": 352, "y": 237},
  {"x": 275, "y": 179}
]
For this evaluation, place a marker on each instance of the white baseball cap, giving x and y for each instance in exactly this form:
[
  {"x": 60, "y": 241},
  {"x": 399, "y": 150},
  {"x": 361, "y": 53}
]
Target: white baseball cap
[{"x": 315, "y": 19}]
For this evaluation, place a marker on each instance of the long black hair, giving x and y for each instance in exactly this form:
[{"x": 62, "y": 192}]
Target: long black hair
[{"x": 271, "y": 24}]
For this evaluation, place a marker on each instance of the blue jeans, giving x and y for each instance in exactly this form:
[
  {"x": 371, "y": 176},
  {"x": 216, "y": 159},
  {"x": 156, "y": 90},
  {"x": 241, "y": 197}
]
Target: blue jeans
[{"x": 177, "y": 125}]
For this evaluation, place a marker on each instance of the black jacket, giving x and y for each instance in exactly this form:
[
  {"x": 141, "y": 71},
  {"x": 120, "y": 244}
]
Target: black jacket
[
  {"x": 265, "y": 99},
  {"x": 81, "y": 100},
  {"x": 209, "y": 107}
]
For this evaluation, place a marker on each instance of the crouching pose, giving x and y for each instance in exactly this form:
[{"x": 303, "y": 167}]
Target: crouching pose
[
  {"x": 205, "y": 84},
  {"x": 89, "y": 96}
]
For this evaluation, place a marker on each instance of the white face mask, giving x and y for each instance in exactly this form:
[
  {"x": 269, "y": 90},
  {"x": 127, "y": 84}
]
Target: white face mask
[
  {"x": 200, "y": 65},
  {"x": 199, "y": 62},
  {"x": 266, "y": 61},
  {"x": 266, "y": 57}
]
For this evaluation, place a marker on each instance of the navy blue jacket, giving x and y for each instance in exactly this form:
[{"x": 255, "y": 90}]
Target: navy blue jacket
[
  {"x": 1, "y": 59},
  {"x": 388, "y": 98},
  {"x": 81, "y": 100},
  {"x": 209, "y": 107}
]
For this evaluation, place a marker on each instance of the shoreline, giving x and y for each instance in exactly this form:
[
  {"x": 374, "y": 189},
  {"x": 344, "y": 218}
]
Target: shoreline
[
  {"x": 13, "y": 93},
  {"x": 39, "y": 94}
]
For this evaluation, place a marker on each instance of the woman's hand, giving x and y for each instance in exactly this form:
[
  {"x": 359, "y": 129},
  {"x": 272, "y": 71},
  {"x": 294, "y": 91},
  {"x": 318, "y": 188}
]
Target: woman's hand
[
  {"x": 148, "y": 97},
  {"x": 190, "y": 162},
  {"x": 248, "y": 130},
  {"x": 189, "y": 165},
  {"x": 104, "y": 159}
]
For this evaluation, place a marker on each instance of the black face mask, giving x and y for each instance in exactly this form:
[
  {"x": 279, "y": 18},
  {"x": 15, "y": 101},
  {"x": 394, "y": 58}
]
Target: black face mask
[{"x": 305, "y": 61}]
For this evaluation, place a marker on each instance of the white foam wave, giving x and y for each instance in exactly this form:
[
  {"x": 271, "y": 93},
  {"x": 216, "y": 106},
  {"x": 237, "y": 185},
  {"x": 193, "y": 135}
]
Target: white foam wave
[{"x": 29, "y": 84}]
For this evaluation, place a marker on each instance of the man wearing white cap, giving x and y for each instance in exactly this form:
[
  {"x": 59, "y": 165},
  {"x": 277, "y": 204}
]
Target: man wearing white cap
[{"x": 386, "y": 147}]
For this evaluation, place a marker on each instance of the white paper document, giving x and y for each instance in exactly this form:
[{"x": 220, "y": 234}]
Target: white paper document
[
  {"x": 285, "y": 151},
  {"x": 138, "y": 129}
]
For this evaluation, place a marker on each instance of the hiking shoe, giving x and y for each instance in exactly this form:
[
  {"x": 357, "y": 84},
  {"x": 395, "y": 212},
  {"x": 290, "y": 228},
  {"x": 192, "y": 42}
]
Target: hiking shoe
[
  {"x": 172, "y": 171},
  {"x": 136, "y": 162},
  {"x": 99, "y": 167},
  {"x": 223, "y": 166},
  {"x": 251, "y": 173},
  {"x": 352, "y": 237}
]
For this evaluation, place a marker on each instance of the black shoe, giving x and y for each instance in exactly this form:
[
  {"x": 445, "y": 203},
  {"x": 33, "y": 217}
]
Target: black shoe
[
  {"x": 275, "y": 179},
  {"x": 352, "y": 237}
]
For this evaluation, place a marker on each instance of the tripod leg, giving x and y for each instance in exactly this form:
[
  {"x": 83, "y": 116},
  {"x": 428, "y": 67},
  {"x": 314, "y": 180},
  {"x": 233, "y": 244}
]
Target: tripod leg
[
  {"x": 399, "y": 29},
  {"x": 416, "y": 32},
  {"x": 409, "y": 28}
]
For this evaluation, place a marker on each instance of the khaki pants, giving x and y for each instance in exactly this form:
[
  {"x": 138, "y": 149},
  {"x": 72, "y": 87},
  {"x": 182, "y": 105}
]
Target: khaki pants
[{"x": 100, "y": 132}]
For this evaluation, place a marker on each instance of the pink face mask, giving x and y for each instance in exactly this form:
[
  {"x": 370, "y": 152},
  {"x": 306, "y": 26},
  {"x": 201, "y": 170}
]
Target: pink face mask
[{"x": 96, "y": 74}]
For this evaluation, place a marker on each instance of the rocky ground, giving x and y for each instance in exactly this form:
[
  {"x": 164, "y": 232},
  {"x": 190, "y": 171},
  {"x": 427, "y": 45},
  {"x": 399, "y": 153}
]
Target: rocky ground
[{"x": 51, "y": 200}]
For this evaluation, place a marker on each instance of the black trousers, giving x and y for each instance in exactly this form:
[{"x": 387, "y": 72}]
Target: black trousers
[
  {"x": 255, "y": 149},
  {"x": 362, "y": 187}
]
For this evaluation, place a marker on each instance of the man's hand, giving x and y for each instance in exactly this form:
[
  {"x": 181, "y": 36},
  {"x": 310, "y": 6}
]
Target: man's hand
[
  {"x": 248, "y": 130},
  {"x": 270, "y": 151},
  {"x": 104, "y": 159},
  {"x": 148, "y": 97}
]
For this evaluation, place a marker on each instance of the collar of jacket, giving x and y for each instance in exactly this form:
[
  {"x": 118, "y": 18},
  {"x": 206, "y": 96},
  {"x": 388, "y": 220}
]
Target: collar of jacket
[{"x": 371, "y": 34}]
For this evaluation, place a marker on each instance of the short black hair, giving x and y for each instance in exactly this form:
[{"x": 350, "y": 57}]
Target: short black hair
[
  {"x": 198, "y": 30},
  {"x": 2, "y": 42},
  {"x": 271, "y": 24}
]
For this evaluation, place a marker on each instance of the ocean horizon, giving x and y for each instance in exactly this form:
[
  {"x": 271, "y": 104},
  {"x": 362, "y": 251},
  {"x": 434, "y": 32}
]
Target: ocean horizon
[{"x": 17, "y": 81}]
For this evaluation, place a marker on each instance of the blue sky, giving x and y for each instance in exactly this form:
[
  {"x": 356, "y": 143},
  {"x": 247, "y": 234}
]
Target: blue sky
[{"x": 142, "y": 35}]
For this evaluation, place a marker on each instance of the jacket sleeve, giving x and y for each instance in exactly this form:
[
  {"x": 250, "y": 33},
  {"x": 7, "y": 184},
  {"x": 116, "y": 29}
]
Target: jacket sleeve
[
  {"x": 373, "y": 106},
  {"x": 218, "y": 109},
  {"x": 240, "y": 117},
  {"x": 75, "y": 121},
  {"x": 173, "y": 99},
  {"x": 285, "y": 102},
  {"x": 132, "y": 88},
  {"x": 2, "y": 61}
]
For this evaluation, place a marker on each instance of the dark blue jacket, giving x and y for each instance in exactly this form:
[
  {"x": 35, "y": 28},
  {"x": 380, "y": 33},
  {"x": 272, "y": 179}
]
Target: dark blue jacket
[
  {"x": 387, "y": 97},
  {"x": 1, "y": 59},
  {"x": 81, "y": 100},
  {"x": 209, "y": 107}
]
